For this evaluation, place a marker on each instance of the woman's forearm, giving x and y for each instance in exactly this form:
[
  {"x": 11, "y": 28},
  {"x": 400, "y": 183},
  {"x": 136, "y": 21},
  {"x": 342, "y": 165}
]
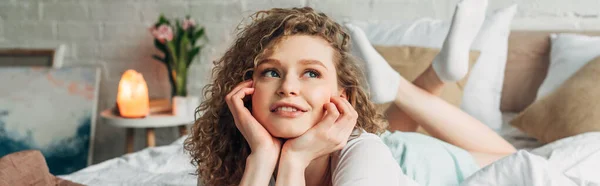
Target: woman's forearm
[
  {"x": 259, "y": 169},
  {"x": 290, "y": 171}
]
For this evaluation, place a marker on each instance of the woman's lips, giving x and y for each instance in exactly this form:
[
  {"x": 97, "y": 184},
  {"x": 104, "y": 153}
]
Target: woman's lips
[
  {"x": 287, "y": 106},
  {"x": 288, "y": 114}
]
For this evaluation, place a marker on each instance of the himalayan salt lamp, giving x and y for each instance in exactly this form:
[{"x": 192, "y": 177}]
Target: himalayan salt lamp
[{"x": 132, "y": 98}]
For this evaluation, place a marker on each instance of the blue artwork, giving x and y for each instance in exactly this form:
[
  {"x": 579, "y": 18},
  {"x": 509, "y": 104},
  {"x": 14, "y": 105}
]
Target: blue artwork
[{"x": 51, "y": 110}]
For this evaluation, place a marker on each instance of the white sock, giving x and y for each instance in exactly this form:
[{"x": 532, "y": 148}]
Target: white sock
[
  {"x": 382, "y": 78},
  {"x": 452, "y": 63}
]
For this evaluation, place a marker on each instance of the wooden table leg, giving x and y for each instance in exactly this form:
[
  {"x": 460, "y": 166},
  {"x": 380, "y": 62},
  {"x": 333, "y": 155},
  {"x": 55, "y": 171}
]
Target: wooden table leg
[
  {"x": 150, "y": 141},
  {"x": 129, "y": 140},
  {"x": 183, "y": 130}
]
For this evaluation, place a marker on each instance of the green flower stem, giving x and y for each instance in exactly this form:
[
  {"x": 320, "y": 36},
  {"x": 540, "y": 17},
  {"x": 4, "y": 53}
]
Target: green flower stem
[
  {"x": 179, "y": 53},
  {"x": 181, "y": 89}
]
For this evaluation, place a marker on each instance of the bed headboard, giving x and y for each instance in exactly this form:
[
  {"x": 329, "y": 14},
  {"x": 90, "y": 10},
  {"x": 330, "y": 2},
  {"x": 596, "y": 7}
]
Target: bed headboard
[{"x": 526, "y": 66}]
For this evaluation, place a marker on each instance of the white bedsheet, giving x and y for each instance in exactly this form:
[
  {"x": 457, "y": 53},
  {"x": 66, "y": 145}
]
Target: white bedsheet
[
  {"x": 514, "y": 136},
  {"x": 164, "y": 165},
  {"x": 570, "y": 161}
]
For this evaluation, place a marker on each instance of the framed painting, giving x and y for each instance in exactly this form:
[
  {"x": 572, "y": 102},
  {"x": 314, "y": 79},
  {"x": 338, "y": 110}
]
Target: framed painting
[
  {"x": 48, "y": 56},
  {"x": 50, "y": 110}
]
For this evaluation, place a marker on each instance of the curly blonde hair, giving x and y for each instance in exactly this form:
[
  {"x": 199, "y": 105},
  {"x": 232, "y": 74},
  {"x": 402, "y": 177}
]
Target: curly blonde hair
[{"x": 217, "y": 148}]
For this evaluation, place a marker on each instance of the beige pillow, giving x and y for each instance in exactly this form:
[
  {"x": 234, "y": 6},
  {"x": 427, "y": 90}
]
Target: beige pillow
[
  {"x": 411, "y": 61},
  {"x": 573, "y": 108}
]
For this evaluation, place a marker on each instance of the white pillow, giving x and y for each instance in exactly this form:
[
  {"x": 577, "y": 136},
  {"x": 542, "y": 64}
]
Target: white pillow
[
  {"x": 569, "y": 52},
  {"x": 482, "y": 93}
]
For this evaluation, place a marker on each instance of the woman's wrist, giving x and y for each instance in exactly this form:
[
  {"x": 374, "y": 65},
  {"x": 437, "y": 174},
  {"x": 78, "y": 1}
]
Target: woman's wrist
[
  {"x": 292, "y": 160},
  {"x": 259, "y": 169},
  {"x": 291, "y": 169},
  {"x": 264, "y": 158},
  {"x": 294, "y": 157}
]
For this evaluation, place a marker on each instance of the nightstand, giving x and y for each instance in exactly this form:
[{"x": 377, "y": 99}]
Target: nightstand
[{"x": 150, "y": 122}]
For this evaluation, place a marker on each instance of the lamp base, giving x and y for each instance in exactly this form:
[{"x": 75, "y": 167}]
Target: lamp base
[{"x": 117, "y": 112}]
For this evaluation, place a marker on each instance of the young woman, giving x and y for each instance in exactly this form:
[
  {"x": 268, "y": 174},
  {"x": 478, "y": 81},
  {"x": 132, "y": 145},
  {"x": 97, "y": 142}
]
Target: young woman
[
  {"x": 285, "y": 99},
  {"x": 287, "y": 107}
]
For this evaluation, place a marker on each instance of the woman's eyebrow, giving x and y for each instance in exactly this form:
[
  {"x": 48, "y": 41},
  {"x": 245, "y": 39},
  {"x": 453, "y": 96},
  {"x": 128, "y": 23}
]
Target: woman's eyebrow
[
  {"x": 312, "y": 62},
  {"x": 302, "y": 61},
  {"x": 268, "y": 60}
]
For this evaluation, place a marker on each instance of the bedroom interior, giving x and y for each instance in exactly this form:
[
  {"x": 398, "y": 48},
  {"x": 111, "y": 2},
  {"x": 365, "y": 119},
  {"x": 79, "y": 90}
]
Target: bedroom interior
[{"x": 531, "y": 77}]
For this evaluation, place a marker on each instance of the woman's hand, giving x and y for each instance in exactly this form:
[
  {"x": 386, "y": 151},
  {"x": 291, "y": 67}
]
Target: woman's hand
[
  {"x": 259, "y": 139},
  {"x": 261, "y": 162},
  {"x": 327, "y": 136}
]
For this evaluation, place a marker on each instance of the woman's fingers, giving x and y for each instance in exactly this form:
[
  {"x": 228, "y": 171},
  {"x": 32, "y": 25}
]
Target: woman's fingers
[
  {"x": 241, "y": 114},
  {"x": 330, "y": 117},
  {"x": 255, "y": 134},
  {"x": 341, "y": 106},
  {"x": 351, "y": 113},
  {"x": 244, "y": 120},
  {"x": 345, "y": 124},
  {"x": 331, "y": 133},
  {"x": 246, "y": 84},
  {"x": 348, "y": 127},
  {"x": 238, "y": 99},
  {"x": 348, "y": 114},
  {"x": 233, "y": 96}
]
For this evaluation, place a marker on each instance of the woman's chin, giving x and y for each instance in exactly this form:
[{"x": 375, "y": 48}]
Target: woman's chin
[
  {"x": 285, "y": 128},
  {"x": 287, "y": 134}
]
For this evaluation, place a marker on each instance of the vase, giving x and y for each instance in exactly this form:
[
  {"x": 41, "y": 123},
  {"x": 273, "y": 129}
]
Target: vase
[{"x": 185, "y": 106}]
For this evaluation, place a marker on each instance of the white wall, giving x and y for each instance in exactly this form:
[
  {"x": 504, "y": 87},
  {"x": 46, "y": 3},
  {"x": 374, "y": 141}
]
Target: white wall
[{"x": 113, "y": 35}]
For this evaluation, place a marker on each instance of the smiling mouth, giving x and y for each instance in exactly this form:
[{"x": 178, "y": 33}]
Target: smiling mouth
[{"x": 288, "y": 112}]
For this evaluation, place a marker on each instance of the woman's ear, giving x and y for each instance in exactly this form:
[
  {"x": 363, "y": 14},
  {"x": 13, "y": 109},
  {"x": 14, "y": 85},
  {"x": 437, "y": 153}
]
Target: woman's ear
[
  {"x": 342, "y": 93},
  {"x": 248, "y": 74}
]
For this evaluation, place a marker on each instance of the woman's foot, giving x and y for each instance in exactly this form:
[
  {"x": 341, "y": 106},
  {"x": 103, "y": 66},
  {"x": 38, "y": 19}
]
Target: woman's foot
[
  {"x": 382, "y": 78},
  {"x": 452, "y": 63}
]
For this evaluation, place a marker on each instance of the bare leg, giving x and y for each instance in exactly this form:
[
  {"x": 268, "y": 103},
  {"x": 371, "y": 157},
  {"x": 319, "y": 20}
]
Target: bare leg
[
  {"x": 419, "y": 103},
  {"x": 446, "y": 122},
  {"x": 443, "y": 120},
  {"x": 399, "y": 120}
]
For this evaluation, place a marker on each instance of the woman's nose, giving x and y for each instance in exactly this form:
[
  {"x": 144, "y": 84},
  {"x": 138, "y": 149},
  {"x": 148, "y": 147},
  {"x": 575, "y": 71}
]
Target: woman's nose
[{"x": 289, "y": 87}]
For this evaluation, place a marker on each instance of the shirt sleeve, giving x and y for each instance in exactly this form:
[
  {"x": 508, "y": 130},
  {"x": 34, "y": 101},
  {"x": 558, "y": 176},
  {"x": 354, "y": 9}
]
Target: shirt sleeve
[{"x": 366, "y": 160}]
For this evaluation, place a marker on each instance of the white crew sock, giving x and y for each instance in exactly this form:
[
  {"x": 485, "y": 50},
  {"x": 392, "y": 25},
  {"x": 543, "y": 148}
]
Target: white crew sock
[
  {"x": 382, "y": 78},
  {"x": 452, "y": 63}
]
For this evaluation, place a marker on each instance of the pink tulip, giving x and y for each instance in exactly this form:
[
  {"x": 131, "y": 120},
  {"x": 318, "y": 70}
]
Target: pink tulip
[
  {"x": 188, "y": 23},
  {"x": 162, "y": 33}
]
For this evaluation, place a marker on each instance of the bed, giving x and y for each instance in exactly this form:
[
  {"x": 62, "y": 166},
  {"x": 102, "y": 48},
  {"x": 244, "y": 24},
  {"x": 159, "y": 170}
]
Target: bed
[
  {"x": 569, "y": 161},
  {"x": 163, "y": 165}
]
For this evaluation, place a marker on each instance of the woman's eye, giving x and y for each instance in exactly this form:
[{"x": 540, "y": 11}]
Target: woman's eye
[
  {"x": 311, "y": 74},
  {"x": 270, "y": 73}
]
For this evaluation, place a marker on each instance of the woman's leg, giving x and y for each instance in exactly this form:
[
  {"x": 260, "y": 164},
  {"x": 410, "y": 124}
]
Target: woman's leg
[
  {"x": 400, "y": 120},
  {"x": 384, "y": 81},
  {"x": 446, "y": 122},
  {"x": 429, "y": 82},
  {"x": 439, "y": 118}
]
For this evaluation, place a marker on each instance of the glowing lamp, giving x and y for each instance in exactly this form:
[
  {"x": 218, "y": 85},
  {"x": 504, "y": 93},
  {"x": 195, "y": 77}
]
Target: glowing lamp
[{"x": 132, "y": 98}]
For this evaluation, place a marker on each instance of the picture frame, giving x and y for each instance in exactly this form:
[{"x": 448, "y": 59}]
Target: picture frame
[{"x": 51, "y": 55}]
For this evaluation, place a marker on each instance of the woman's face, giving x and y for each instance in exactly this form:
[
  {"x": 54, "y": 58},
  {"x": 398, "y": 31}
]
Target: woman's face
[{"x": 292, "y": 85}]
